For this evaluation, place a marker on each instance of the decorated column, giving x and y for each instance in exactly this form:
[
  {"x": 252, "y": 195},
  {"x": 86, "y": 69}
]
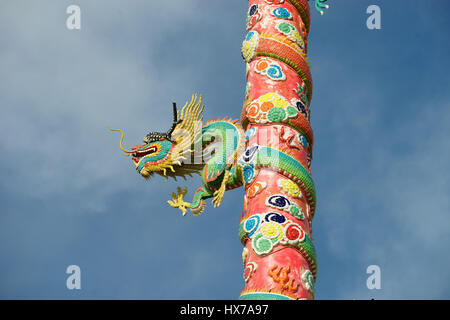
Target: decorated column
[{"x": 276, "y": 227}]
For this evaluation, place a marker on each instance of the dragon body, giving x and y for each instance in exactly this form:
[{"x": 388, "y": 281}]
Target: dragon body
[
  {"x": 221, "y": 141},
  {"x": 263, "y": 157},
  {"x": 210, "y": 149},
  {"x": 215, "y": 151}
]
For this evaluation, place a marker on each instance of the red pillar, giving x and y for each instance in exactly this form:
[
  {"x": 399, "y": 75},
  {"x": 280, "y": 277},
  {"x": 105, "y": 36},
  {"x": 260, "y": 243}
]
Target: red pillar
[{"x": 279, "y": 256}]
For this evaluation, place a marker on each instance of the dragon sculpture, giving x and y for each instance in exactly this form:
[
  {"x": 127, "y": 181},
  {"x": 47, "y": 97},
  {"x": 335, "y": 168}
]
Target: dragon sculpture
[{"x": 190, "y": 146}]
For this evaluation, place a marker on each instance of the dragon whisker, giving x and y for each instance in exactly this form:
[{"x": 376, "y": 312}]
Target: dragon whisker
[{"x": 121, "y": 140}]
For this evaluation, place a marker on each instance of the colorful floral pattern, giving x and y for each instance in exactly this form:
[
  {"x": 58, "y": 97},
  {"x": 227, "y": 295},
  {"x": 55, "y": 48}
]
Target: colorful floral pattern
[
  {"x": 252, "y": 224},
  {"x": 290, "y": 187},
  {"x": 270, "y": 107},
  {"x": 291, "y": 32},
  {"x": 249, "y": 173},
  {"x": 270, "y": 69},
  {"x": 301, "y": 107},
  {"x": 281, "y": 202},
  {"x": 253, "y": 16},
  {"x": 249, "y": 45},
  {"x": 282, "y": 218},
  {"x": 256, "y": 188},
  {"x": 267, "y": 230},
  {"x": 281, "y": 13}
]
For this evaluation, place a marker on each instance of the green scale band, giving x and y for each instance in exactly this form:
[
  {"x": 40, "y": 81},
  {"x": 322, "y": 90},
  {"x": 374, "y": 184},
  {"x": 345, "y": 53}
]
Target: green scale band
[
  {"x": 304, "y": 13},
  {"x": 289, "y": 167}
]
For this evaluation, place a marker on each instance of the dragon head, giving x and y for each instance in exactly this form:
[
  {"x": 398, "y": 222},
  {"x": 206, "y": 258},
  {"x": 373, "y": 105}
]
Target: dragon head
[{"x": 163, "y": 153}]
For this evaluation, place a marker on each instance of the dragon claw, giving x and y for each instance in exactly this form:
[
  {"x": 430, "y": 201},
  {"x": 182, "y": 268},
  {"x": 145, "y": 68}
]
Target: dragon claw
[
  {"x": 218, "y": 196},
  {"x": 177, "y": 200}
]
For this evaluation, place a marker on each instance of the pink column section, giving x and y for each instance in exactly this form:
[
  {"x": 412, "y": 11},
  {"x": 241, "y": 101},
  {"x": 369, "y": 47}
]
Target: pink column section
[{"x": 282, "y": 266}]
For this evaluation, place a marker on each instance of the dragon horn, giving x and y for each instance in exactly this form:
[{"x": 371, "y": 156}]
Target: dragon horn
[
  {"x": 175, "y": 119},
  {"x": 121, "y": 139}
]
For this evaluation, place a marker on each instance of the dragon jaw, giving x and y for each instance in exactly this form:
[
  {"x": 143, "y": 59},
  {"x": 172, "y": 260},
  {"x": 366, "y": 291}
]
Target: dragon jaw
[{"x": 155, "y": 157}]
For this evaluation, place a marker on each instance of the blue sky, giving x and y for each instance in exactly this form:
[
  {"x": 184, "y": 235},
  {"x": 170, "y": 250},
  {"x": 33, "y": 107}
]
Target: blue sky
[{"x": 380, "y": 114}]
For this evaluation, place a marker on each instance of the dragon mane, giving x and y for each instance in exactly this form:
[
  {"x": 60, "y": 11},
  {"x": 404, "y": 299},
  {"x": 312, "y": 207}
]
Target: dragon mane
[{"x": 184, "y": 134}]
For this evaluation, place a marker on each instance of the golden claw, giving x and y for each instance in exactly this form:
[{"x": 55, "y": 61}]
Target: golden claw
[
  {"x": 218, "y": 194},
  {"x": 177, "y": 200}
]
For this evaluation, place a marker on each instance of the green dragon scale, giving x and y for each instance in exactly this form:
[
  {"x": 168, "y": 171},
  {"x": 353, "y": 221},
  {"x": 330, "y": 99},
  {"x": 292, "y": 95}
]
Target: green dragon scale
[{"x": 256, "y": 157}]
